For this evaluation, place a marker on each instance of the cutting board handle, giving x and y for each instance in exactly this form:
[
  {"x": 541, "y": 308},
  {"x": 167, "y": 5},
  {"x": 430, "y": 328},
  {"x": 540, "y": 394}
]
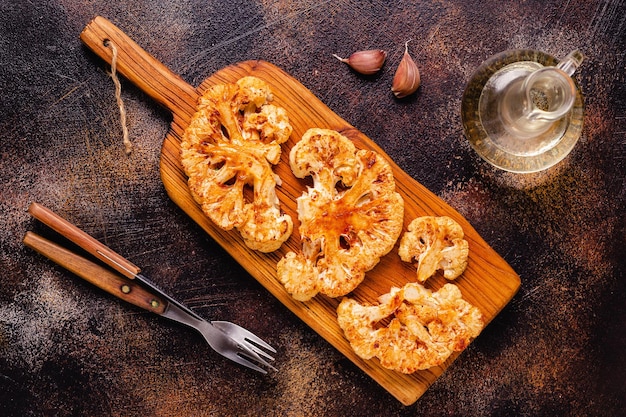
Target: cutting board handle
[{"x": 140, "y": 68}]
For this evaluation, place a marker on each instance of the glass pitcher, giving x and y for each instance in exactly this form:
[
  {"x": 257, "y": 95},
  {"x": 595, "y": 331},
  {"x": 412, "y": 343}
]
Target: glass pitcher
[{"x": 522, "y": 112}]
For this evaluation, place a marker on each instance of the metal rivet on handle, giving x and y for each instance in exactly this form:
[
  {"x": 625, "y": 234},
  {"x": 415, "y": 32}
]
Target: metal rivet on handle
[
  {"x": 125, "y": 289},
  {"x": 154, "y": 303}
]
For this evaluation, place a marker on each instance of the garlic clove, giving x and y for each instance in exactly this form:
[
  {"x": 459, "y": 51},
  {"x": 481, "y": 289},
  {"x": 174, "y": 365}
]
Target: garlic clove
[
  {"x": 407, "y": 78},
  {"x": 365, "y": 62}
]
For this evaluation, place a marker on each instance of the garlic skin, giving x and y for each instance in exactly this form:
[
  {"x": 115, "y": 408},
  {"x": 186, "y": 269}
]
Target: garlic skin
[
  {"x": 365, "y": 62},
  {"x": 407, "y": 78}
]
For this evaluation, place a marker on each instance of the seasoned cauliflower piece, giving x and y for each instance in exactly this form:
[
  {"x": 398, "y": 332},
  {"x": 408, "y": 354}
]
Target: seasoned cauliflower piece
[
  {"x": 435, "y": 243},
  {"x": 227, "y": 152},
  {"x": 425, "y": 328},
  {"x": 349, "y": 218}
]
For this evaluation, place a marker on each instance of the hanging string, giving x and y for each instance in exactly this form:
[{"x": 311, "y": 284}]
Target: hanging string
[{"x": 118, "y": 97}]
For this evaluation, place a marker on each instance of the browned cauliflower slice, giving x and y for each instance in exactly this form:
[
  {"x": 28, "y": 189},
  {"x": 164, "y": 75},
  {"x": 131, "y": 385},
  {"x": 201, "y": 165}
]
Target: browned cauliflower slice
[
  {"x": 227, "y": 152},
  {"x": 349, "y": 218},
  {"x": 425, "y": 328},
  {"x": 435, "y": 243}
]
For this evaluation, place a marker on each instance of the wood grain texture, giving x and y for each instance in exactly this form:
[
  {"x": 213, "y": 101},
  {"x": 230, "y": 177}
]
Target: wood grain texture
[{"x": 488, "y": 282}]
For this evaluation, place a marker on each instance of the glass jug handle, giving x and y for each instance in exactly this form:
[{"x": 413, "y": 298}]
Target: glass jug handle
[{"x": 571, "y": 62}]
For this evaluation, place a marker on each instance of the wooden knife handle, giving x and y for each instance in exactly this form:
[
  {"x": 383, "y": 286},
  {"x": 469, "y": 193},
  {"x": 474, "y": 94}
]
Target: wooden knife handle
[
  {"x": 85, "y": 241},
  {"x": 140, "y": 68},
  {"x": 97, "y": 275}
]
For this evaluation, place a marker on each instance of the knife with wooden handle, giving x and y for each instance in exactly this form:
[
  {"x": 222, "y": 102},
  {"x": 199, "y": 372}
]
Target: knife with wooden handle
[
  {"x": 85, "y": 241},
  {"x": 228, "y": 339},
  {"x": 95, "y": 274},
  {"x": 100, "y": 251}
]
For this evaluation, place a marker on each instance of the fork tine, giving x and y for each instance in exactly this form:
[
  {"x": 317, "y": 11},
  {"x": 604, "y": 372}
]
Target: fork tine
[
  {"x": 259, "y": 352},
  {"x": 242, "y": 355},
  {"x": 234, "y": 330},
  {"x": 258, "y": 341},
  {"x": 257, "y": 358},
  {"x": 248, "y": 343},
  {"x": 235, "y": 357},
  {"x": 251, "y": 351},
  {"x": 233, "y": 347}
]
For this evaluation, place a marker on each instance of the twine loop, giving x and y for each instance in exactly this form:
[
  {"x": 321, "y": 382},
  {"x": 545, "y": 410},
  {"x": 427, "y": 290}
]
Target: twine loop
[{"x": 118, "y": 97}]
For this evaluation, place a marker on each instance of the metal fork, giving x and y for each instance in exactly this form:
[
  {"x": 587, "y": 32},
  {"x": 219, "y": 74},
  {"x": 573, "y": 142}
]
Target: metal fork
[{"x": 228, "y": 339}]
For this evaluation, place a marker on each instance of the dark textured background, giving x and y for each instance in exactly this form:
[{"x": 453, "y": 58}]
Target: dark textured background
[{"x": 69, "y": 349}]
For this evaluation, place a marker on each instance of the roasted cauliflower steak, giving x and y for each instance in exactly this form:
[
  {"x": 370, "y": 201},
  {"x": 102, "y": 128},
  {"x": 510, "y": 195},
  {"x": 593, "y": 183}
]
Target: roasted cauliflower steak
[
  {"x": 227, "y": 153},
  {"x": 435, "y": 243},
  {"x": 350, "y": 217},
  {"x": 424, "y": 327}
]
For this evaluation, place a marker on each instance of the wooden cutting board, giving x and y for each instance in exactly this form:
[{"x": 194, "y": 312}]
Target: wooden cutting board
[{"x": 488, "y": 282}]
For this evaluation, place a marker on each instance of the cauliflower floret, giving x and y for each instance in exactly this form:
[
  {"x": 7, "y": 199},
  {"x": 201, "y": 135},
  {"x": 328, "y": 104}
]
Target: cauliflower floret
[
  {"x": 435, "y": 243},
  {"x": 227, "y": 152},
  {"x": 349, "y": 218},
  {"x": 426, "y": 327}
]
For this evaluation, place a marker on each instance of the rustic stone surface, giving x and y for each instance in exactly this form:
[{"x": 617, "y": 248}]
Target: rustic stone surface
[{"x": 68, "y": 349}]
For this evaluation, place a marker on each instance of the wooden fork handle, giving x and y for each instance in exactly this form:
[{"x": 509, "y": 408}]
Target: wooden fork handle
[
  {"x": 82, "y": 239},
  {"x": 97, "y": 275},
  {"x": 140, "y": 67}
]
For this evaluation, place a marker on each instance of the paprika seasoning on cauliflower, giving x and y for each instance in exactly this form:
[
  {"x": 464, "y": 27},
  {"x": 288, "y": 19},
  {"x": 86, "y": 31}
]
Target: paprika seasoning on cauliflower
[
  {"x": 435, "y": 243},
  {"x": 412, "y": 328},
  {"x": 349, "y": 218},
  {"x": 231, "y": 143}
]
